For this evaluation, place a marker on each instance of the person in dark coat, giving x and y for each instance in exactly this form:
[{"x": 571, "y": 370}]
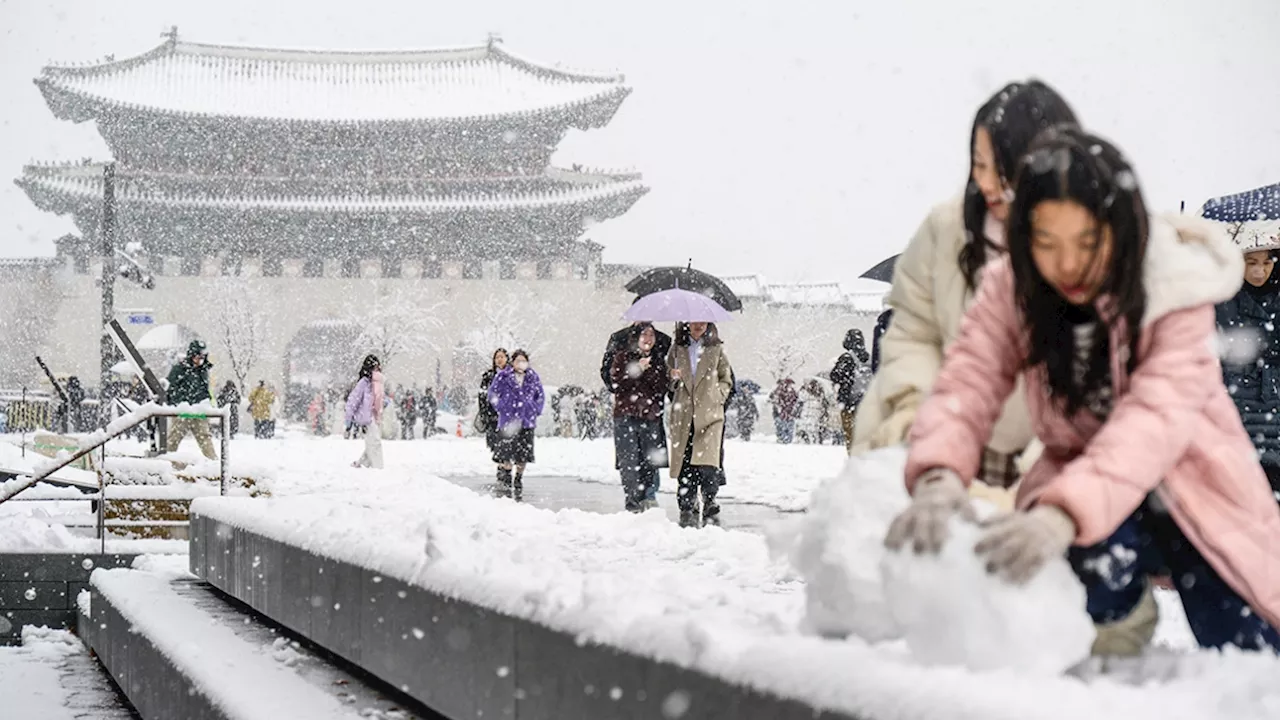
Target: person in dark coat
[
  {"x": 851, "y": 377},
  {"x": 408, "y": 413},
  {"x": 75, "y": 404},
  {"x": 1251, "y": 361},
  {"x": 620, "y": 341},
  {"x": 487, "y": 415},
  {"x": 189, "y": 384},
  {"x": 429, "y": 409},
  {"x": 882, "y": 326},
  {"x": 786, "y": 409},
  {"x": 639, "y": 379},
  {"x": 748, "y": 413},
  {"x": 229, "y": 397}
]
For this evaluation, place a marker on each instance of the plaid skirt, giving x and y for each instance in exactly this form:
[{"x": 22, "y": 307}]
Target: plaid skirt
[{"x": 998, "y": 469}]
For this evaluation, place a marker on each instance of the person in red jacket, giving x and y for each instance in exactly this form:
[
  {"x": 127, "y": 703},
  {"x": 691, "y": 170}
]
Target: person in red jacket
[{"x": 638, "y": 379}]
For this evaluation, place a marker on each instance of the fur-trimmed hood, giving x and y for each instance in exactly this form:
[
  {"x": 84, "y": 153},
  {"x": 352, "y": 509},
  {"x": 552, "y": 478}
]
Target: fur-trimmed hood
[{"x": 1190, "y": 261}]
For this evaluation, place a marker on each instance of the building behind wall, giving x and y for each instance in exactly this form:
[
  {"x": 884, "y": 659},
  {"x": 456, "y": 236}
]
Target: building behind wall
[{"x": 319, "y": 205}]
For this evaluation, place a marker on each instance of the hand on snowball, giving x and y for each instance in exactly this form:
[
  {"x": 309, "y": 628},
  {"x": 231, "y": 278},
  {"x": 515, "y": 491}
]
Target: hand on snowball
[
  {"x": 940, "y": 494},
  {"x": 1017, "y": 545}
]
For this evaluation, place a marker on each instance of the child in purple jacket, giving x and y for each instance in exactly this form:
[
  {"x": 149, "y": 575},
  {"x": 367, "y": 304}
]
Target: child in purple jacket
[{"x": 516, "y": 393}]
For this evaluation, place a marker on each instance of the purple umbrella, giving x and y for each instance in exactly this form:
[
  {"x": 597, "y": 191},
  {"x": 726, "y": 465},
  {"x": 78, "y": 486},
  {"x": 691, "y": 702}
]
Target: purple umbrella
[{"x": 677, "y": 306}]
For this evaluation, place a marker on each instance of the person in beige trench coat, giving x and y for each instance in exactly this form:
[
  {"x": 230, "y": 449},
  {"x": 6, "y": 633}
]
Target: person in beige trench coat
[{"x": 701, "y": 380}]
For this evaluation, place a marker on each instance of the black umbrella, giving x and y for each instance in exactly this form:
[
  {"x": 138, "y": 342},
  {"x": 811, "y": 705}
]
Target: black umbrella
[
  {"x": 882, "y": 272},
  {"x": 686, "y": 278}
]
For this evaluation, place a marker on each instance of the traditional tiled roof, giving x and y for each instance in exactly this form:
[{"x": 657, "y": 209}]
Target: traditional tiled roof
[
  {"x": 63, "y": 188},
  {"x": 457, "y": 84},
  {"x": 864, "y": 296}
]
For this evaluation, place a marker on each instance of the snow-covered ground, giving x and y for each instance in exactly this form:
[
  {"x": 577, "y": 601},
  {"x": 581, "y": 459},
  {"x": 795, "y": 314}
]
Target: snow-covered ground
[
  {"x": 52, "y": 677},
  {"x": 780, "y": 476},
  {"x": 713, "y": 599}
]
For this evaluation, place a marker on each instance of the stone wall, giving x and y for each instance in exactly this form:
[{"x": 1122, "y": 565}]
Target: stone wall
[{"x": 416, "y": 322}]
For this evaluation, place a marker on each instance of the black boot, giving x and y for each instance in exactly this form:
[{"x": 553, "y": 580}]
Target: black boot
[
  {"x": 517, "y": 488},
  {"x": 503, "y": 488},
  {"x": 689, "y": 519}
]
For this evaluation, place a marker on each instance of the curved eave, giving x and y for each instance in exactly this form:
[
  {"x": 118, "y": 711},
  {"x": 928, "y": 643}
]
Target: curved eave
[
  {"x": 586, "y": 114},
  {"x": 601, "y": 202}
]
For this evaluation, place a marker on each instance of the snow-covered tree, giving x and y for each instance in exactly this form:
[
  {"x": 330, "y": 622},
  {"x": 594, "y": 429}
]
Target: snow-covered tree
[
  {"x": 797, "y": 347},
  {"x": 240, "y": 325},
  {"x": 393, "y": 326}
]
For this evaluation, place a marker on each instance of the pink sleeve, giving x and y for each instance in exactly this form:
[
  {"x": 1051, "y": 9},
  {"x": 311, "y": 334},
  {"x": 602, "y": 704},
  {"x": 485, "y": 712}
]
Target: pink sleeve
[
  {"x": 978, "y": 373},
  {"x": 379, "y": 396},
  {"x": 1149, "y": 430}
]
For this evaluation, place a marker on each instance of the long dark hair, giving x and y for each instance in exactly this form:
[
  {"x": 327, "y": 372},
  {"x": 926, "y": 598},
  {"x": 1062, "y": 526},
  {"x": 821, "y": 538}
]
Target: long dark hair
[
  {"x": 711, "y": 337},
  {"x": 493, "y": 359},
  {"x": 370, "y": 364},
  {"x": 1066, "y": 163},
  {"x": 1012, "y": 117}
]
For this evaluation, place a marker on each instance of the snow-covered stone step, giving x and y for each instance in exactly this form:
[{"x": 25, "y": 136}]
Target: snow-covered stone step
[
  {"x": 177, "y": 649},
  {"x": 355, "y": 581}
]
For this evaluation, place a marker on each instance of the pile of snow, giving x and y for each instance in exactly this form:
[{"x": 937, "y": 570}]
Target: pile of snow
[
  {"x": 836, "y": 547},
  {"x": 953, "y": 612},
  {"x": 27, "y": 534}
]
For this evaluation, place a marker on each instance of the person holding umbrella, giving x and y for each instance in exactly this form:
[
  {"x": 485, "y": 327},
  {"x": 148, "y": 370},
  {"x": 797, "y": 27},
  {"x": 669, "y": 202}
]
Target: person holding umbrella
[
  {"x": 1246, "y": 322},
  {"x": 620, "y": 342},
  {"x": 701, "y": 381},
  {"x": 639, "y": 379}
]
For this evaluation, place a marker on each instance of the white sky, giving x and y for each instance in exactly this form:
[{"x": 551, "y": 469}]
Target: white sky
[{"x": 803, "y": 140}]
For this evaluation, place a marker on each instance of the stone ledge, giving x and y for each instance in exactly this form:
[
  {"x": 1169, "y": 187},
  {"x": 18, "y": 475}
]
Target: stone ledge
[{"x": 460, "y": 659}]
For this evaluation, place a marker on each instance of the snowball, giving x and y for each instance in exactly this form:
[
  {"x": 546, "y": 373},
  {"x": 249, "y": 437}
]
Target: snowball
[
  {"x": 836, "y": 547},
  {"x": 953, "y": 612}
]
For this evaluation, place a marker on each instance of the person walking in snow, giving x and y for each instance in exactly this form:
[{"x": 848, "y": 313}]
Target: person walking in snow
[
  {"x": 408, "y": 413},
  {"x": 316, "y": 411},
  {"x": 748, "y": 413},
  {"x": 229, "y": 397},
  {"x": 430, "y": 412},
  {"x": 700, "y": 386},
  {"x": 786, "y": 410},
  {"x": 814, "y": 409},
  {"x": 618, "y": 341},
  {"x": 936, "y": 277},
  {"x": 487, "y": 416},
  {"x": 1251, "y": 350},
  {"x": 364, "y": 412},
  {"x": 877, "y": 336},
  {"x": 189, "y": 384},
  {"x": 260, "y": 401},
  {"x": 1107, "y": 315},
  {"x": 639, "y": 380},
  {"x": 75, "y": 405},
  {"x": 851, "y": 375},
  {"x": 517, "y": 395}
]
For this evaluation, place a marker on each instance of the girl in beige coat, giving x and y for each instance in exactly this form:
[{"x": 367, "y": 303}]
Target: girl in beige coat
[
  {"x": 701, "y": 380},
  {"x": 936, "y": 276}
]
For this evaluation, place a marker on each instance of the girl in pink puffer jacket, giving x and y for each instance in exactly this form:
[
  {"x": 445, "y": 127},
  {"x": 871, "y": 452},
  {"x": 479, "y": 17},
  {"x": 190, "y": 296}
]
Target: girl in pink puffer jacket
[{"x": 1108, "y": 316}]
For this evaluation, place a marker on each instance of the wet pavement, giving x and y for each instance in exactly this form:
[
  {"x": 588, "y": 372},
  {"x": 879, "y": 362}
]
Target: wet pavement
[{"x": 560, "y": 493}]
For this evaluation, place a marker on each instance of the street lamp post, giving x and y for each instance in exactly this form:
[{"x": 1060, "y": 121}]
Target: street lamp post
[{"x": 108, "y": 231}]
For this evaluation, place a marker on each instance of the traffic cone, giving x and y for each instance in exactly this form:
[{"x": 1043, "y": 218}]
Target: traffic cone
[{"x": 459, "y": 427}]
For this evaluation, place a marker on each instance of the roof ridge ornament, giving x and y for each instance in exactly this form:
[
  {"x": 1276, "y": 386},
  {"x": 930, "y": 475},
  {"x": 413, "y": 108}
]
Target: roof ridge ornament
[{"x": 171, "y": 34}]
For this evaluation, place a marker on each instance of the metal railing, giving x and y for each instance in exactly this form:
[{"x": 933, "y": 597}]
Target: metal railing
[{"x": 117, "y": 428}]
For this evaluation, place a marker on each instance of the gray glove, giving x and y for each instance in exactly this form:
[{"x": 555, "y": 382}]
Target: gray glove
[
  {"x": 1017, "y": 545},
  {"x": 940, "y": 494}
]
